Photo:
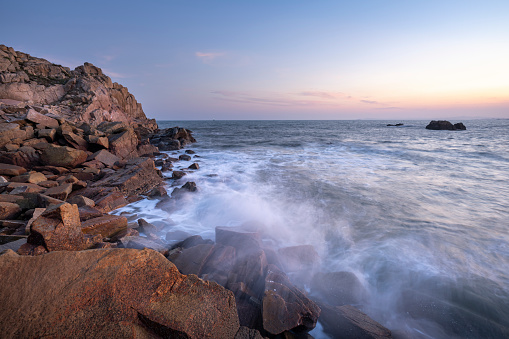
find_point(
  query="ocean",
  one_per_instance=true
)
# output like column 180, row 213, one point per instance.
column 421, row 217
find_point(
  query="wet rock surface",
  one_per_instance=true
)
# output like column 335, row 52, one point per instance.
column 445, row 125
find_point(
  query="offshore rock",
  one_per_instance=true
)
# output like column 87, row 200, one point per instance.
column 338, row 288
column 445, row 125
column 110, row 293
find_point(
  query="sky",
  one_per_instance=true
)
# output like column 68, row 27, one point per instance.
column 373, row 59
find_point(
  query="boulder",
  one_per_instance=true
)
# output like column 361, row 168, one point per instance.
column 81, row 201
column 105, row 157
column 60, row 192
column 10, row 132
column 298, row 258
column 445, row 125
column 138, row 177
column 47, row 133
column 194, row 166
column 177, row 175
column 184, row 157
column 348, row 322
column 110, row 293
column 244, row 239
column 107, row 226
column 12, row 170
column 124, row 144
column 248, row 333
column 9, row 210
column 58, row 228
column 98, row 142
column 111, row 202
column 41, row 119
column 63, row 156
column 338, row 288
column 284, row 306
column 32, row 177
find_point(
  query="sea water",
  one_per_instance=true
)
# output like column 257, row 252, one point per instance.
column 420, row 216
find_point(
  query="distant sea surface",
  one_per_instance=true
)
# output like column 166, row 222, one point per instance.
column 420, row 216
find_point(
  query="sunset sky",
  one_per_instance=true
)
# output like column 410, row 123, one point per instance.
column 282, row 59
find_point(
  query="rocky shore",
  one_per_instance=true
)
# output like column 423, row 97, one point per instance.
column 75, row 147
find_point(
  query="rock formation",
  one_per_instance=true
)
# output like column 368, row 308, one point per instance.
column 445, row 125
column 84, row 94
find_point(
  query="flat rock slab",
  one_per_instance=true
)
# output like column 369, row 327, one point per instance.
column 6, row 169
column 106, row 226
column 41, row 119
column 110, row 293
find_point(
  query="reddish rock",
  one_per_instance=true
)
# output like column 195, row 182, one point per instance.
column 62, row 156
column 285, row 307
column 60, row 192
column 110, row 293
column 248, row 333
column 158, row 191
column 58, row 229
column 192, row 260
column 98, row 141
column 338, row 288
column 348, row 322
column 106, row 226
column 9, row 210
column 187, row 187
column 81, row 201
column 147, row 150
column 250, row 269
column 48, row 184
column 32, row 250
column 10, row 198
column 245, row 240
column 48, row 134
column 111, row 202
column 194, row 166
column 41, row 119
column 89, row 212
column 124, row 144
column 32, row 177
column 105, row 157
column 138, row 177
column 12, row 170
column 25, row 156
column 184, row 157
column 128, row 232
column 26, row 187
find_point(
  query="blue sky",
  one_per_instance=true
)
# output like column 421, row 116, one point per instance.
column 282, row 59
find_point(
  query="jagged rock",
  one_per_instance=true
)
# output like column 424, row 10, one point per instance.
column 245, row 240
column 41, row 119
column 23, row 187
column 124, row 144
column 89, row 212
column 445, row 125
column 12, row 170
column 177, row 175
column 346, row 322
column 48, row 134
column 81, row 201
column 59, row 192
column 248, row 333
column 32, row 177
column 98, row 142
column 10, row 132
column 62, row 156
column 105, row 157
column 338, row 288
column 58, row 228
column 194, row 166
column 106, row 226
column 285, row 307
column 9, row 210
column 138, row 177
column 113, row 127
column 110, row 293
column 187, row 187
column 111, row 202
column 25, row 156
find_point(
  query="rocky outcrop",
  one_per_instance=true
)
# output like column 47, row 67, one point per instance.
column 84, row 94
column 110, row 293
column 445, row 125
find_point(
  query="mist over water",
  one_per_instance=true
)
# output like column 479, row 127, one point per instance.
column 419, row 216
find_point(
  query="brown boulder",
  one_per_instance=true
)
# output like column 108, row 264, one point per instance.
column 105, row 157
column 284, row 306
column 59, row 192
column 32, row 177
column 63, row 156
column 298, row 258
column 58, row 229
column 6, row 169
column 41, row 119
column 138, row 177
column 110, row 293
column 245, row 240
column 124, row 144
column 47, row 133
column 106, row 226
column 9, row 210
column 111, row 202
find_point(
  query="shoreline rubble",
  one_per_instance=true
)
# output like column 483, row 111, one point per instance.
column 74, row 147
